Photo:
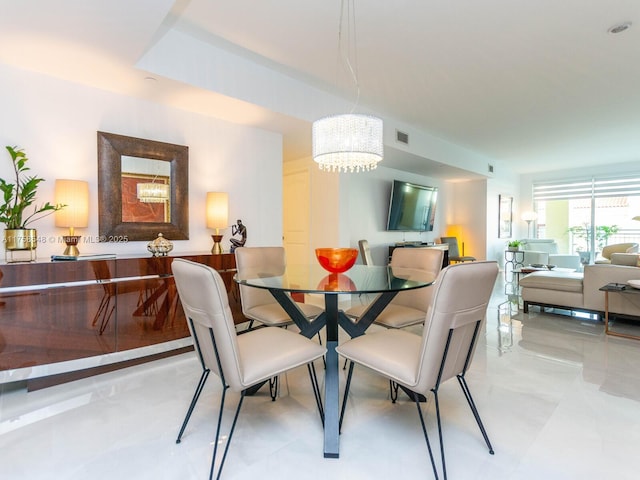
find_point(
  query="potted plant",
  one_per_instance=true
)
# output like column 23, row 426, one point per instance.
column 16, row 198
column 514, row 245
column 582, row 235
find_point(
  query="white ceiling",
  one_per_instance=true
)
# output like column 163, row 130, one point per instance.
column 538, row 85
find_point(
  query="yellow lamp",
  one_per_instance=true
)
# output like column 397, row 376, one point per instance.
column 217, row 216
column 74, row 194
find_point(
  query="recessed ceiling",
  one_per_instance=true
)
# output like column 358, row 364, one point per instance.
column 535, row 85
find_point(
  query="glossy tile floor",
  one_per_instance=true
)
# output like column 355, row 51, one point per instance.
column 560, row 400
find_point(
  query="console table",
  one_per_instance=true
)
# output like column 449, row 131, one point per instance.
column 55, row 313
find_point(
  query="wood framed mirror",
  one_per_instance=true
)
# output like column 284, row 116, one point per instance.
column 127, row 168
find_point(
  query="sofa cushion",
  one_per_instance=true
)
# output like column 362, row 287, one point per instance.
column 547, row 245
column 609, row 250
column 558, row 281
column 628, row 259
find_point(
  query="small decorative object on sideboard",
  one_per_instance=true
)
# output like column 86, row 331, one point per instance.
column 238, row 229
column 160, row 246
column 16, row 197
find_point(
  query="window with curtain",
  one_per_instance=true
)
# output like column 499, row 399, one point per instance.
column 584, row 215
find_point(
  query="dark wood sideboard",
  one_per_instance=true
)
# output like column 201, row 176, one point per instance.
column 58, row 311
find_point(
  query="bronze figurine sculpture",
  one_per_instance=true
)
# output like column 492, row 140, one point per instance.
column 238, row 229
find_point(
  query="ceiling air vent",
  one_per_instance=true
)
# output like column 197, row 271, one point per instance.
column 402, row 137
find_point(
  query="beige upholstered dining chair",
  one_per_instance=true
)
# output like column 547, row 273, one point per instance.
column 410, row 307
column 257, row 303
column 240, row 361
column 421, row 363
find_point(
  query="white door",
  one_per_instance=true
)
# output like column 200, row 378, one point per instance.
column 296, row 196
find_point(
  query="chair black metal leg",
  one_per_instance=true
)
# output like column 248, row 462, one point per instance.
column 346, row 393
column 316, row 389
column 273, row 388
column 437, row 402
column 215, row 440
column 474, row 410
column 233, row 427
column 426, row 436
column 324, row 360
column 194, row 400
column 393, row 388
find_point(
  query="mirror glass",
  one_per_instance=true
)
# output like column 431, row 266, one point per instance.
column 142, row 189
column 146, row 184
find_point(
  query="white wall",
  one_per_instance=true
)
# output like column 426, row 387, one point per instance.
column 348, row 207
column 366, row 208
column 351, row 206
column 507, row 185
column 56, row 121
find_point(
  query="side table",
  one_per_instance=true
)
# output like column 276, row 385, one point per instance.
column 622, row 289
column 513, row 259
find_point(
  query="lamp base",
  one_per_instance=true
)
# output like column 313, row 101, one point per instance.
column 72, row 245
column 217, row 248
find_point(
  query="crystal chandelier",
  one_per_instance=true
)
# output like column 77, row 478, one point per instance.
column 348, row 142
column 152, row 192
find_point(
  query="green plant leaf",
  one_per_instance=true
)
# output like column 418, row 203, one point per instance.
column 18, row 196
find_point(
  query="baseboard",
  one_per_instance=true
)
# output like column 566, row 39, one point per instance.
column 39, row 383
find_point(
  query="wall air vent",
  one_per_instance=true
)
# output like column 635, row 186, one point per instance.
column 402, row 137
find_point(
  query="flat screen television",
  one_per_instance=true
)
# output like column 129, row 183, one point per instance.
column 412, row 208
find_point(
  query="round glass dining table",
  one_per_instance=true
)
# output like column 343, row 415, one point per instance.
column 385, row 281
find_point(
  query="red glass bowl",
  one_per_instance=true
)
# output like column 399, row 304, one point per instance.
column 336, row 260
column 336, row 282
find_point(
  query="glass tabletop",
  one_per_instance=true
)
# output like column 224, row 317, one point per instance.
column 359, row 279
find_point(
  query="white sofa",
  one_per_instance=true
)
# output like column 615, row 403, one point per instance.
column 581, row 290
column 545, row 251
column 617, row 248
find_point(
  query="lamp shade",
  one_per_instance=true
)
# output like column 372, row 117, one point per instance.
column 348, row 142
column 217, row 210
column 75, row 195
column 529, row 216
